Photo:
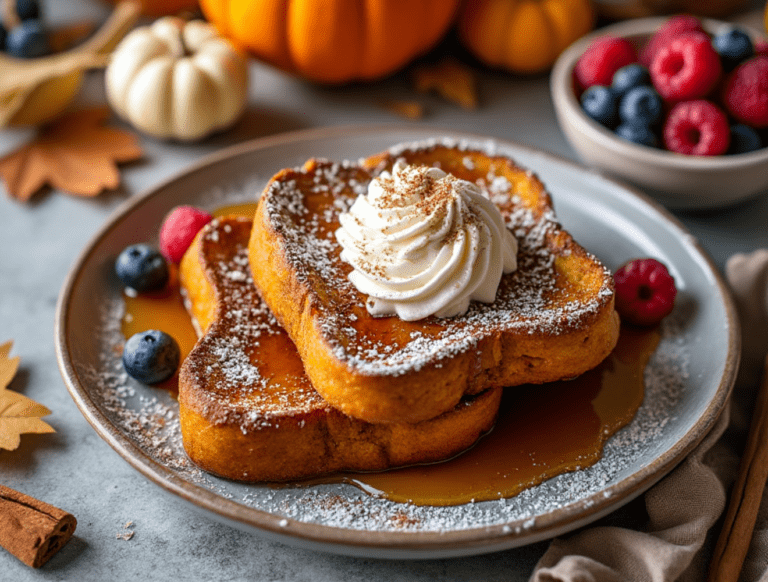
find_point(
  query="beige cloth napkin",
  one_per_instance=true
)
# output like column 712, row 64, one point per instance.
column 684, row 509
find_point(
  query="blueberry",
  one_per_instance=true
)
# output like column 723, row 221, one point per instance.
column 28, row 40
column 599, row 103
column 151, row 356
column 733, row 46
column 744, row 139
column 638, row 133
column 629, row 76
column 27, row 9
column 142, row 268
column 641, row 105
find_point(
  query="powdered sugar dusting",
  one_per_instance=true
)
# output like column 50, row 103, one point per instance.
column 221, row 369
column 148, row 418
column 528, row 301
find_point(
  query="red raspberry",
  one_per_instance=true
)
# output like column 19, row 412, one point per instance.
column 746, row 92
column 697, row 128
column 645, row 292
column 604, row 56
column 179, row 229
column 672, row 28
column 686, row 68
column 761, row 47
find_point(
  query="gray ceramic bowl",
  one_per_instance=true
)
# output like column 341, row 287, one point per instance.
column 676, row 180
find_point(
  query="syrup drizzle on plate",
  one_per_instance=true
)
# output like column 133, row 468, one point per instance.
column 542, row 431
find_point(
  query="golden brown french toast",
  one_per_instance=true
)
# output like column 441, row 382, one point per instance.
column 553, row 318
column 248, row 411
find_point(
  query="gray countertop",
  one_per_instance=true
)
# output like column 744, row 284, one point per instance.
column 77, row 471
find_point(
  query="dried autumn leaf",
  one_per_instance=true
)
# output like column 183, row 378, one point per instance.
column 76, row 154
column 449, row 78
column 407, row 109
column 18, row 414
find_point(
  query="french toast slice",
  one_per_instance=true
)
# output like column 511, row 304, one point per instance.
column 248, row 411
column 553, row 318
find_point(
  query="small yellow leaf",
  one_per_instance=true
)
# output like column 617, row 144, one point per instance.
column 8, row 366
column 15, row 405
column 11, row 430
column 18, row 414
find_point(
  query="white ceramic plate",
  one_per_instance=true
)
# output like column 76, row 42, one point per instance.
column 687, row 381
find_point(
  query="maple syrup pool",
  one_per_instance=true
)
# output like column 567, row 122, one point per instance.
column 541, row 431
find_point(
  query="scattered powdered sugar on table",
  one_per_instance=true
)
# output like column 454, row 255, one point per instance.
column 148, row 418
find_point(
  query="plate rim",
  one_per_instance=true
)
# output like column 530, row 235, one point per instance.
column 470, row 541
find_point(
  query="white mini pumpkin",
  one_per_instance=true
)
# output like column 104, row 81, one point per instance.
column 177, row 80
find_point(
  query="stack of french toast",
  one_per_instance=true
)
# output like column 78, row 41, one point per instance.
column 294, row 377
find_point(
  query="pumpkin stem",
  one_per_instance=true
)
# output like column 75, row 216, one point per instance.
column 184, row 48
column 180, row 47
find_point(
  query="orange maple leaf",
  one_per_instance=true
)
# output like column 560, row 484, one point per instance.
column 76, row 154
column 18, row 414
column 407, row 109
column 451, row 79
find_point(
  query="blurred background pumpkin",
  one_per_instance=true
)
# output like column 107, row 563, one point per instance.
column 523, row 36
column 334, row 41
column 177, row 79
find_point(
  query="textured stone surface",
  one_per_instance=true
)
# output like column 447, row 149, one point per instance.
column 75, row 470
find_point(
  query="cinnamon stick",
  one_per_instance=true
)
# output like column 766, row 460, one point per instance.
column 30, row 529
column 740, row 518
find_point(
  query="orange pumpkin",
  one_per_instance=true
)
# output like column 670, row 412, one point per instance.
column 523, row 36
column 334, row 41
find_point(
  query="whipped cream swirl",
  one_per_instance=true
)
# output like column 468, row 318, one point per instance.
column 423, row 242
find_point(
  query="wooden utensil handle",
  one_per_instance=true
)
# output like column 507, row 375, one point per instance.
column 740, row 517
column 120, row 21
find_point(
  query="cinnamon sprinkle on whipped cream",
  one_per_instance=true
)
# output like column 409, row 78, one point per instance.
column 423, row 242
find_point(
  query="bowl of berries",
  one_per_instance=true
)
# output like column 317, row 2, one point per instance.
column 678, row 106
